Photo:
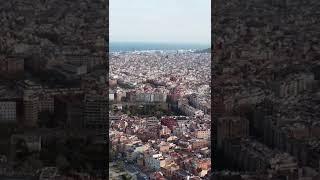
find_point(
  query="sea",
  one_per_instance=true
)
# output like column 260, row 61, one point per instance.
column 139, row 46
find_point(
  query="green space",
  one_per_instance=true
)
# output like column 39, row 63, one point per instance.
column 157, row 110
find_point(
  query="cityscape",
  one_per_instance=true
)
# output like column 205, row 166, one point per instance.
column 160, row 114
column 159, row 90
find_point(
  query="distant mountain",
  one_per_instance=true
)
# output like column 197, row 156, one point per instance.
column 208, row 50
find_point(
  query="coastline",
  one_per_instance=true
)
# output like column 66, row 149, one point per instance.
column 139, row 46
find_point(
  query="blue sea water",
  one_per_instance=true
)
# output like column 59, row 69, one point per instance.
column 138, row 46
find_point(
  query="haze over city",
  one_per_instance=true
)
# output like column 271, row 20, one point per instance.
column 165, row 21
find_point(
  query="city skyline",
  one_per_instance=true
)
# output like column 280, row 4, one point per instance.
column 170, row 22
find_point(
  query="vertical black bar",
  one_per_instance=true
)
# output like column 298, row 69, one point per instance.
column 273, row 95
column 107, row 81
column 213, row 87
column 48, row 49
column 212, row 99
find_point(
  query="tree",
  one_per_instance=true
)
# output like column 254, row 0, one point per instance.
column 127, row 177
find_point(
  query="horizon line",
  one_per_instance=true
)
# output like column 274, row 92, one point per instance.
column 162, row 42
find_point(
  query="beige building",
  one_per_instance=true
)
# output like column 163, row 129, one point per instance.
column 202, row 134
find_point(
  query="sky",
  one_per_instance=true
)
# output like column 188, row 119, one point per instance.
column 160, row 21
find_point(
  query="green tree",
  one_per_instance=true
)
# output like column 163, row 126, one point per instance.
column 126, row 177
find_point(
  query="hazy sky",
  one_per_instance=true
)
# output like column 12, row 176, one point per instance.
column 170, row 21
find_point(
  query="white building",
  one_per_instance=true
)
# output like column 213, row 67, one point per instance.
column 152, row 122
column 111, row 96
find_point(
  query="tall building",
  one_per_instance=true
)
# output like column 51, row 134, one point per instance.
column 231, row 127
column 152, row 122
column 8, row 111
column 95, row 111
column 74, row 112
column 111, row 95
column 46, row 103
column 31, row 109
column 11, row 66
